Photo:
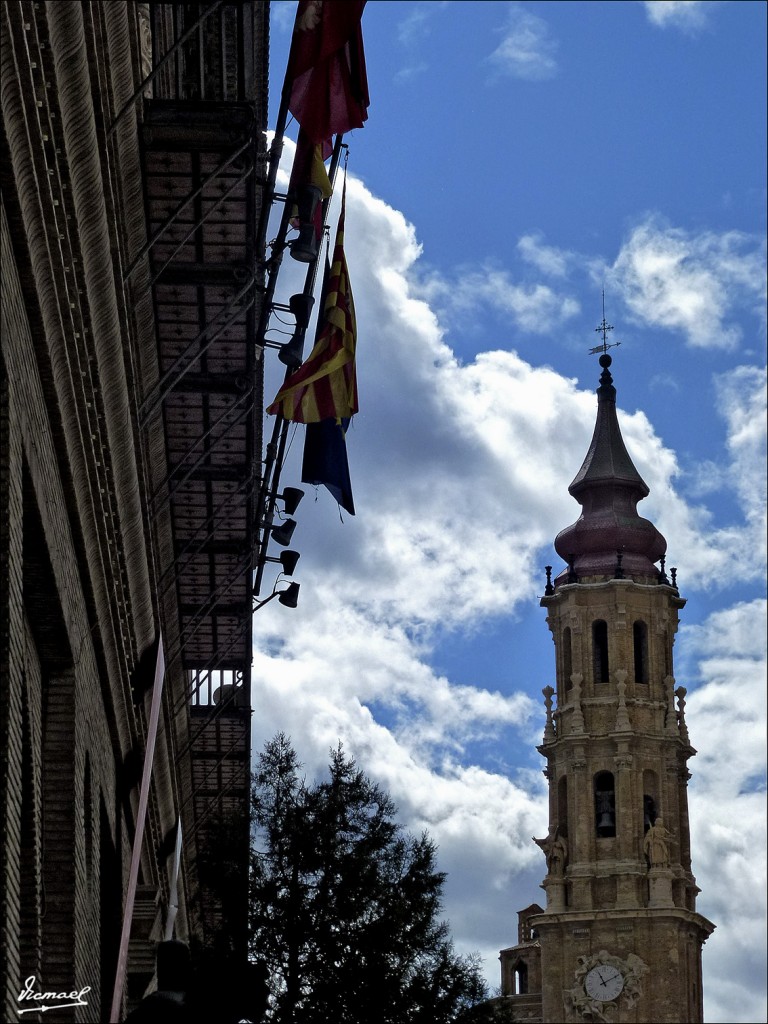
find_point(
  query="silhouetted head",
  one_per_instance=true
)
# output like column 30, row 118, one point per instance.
column 174, row 971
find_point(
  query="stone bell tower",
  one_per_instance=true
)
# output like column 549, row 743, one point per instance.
column 620, row 938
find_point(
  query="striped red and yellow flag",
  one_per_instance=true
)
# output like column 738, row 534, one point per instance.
column 325, row 385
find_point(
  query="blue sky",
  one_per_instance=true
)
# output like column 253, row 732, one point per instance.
column 519, row 158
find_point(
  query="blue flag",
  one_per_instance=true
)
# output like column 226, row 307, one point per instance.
column 325, row 460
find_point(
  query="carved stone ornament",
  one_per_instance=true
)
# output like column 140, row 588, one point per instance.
column 578, row 715
column 145, row 44
column 549, row 729
column 625, row 975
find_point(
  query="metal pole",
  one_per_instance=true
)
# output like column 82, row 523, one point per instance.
column 173, row 899
column 138, row 838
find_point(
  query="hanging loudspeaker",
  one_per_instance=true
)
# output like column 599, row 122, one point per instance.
column 288, row 560
column 291, row 497
column 301, row 307
column 292, row 353
column 290, row 596
column 282, row 534
column 304, row 248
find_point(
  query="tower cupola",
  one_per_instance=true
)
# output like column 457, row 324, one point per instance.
column 609, row 539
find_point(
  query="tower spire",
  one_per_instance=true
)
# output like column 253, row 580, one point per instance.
column 608, row 487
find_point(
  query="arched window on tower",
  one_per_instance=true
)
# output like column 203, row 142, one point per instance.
column 567, row 658
column 600, row 651
column 520, row 978
column 640, row 639
column 605, row 805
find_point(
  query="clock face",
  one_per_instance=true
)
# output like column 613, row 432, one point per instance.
column 604, row 982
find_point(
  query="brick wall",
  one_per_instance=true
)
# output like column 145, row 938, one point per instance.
column 77, row 547
column 11, row 662
column 74, row 604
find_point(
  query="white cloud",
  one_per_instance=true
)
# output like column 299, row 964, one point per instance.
column 688, row 15
column 694, row 284
column 664, row 380
column 410, row 72
column 460, row 474
column 411, row 30
column 680, row 281
column 537, row 308
column 283, row 14
column 526, row 51
column 416, row 23
column 546, row 258
column 712, row 556
column 726, row 716
column 454, row 503
column 742, row 402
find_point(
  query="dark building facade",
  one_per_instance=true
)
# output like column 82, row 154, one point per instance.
column 132, row 225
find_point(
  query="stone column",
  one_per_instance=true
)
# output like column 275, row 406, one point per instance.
column 577, row 722
column 624, row 809
column 582, row 832
column 660, row 887
column 555, row 888
column 626, row 883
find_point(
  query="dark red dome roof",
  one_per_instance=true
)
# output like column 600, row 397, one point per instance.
column 608, row 487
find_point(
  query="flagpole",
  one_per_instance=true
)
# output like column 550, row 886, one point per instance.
column 275, row 153
column 276, row 448
column 274, row 463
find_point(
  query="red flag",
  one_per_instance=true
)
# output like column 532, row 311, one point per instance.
column 326, row 69
column 325, row 386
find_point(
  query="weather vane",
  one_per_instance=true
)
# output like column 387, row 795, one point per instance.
column 603, row 329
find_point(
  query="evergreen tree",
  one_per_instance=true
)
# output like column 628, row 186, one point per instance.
column 345, row 903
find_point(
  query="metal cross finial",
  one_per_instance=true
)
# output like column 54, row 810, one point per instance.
column 603, row 329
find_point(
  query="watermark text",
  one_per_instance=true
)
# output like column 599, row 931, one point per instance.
column 49, row 1000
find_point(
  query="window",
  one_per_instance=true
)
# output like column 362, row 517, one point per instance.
column 605, row 805
column 640, row 638
column 600, row 651
column 567, row 658
column 520, row 978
